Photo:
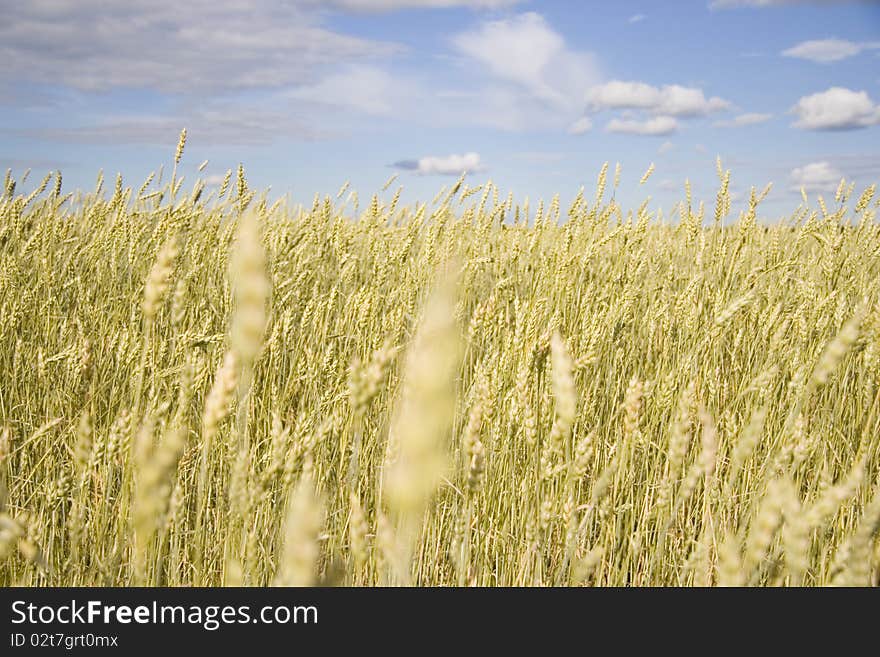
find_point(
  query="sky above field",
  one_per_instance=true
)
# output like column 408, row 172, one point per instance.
column 534, row 95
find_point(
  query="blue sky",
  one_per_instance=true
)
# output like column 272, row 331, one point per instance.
column 534, row 95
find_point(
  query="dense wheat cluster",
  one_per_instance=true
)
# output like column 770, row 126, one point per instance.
column 203, row 388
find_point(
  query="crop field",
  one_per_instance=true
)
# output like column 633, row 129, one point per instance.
column 200, row 386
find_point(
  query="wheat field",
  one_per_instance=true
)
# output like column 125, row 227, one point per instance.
column 202, row 388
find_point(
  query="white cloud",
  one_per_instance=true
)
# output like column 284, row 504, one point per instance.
column 829, row 50
column 451, row 164
column 525, row 51
column 637, row 18
column 448, row 165
column 197, row 48
column 659, row 125
column 392, row 5
column 233, row 72
column 665, row 147
column 617, row 94
column 684, row 101
column 367, row 89
column 836, row 109
column 815, row 177
column 582, row 125
column 749, row 118
column 669, row 100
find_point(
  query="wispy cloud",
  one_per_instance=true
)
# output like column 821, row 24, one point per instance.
column 829, row 50
column 749, row 118
column 526, row 52
column 38, row 163
column 837, row 108
column 393, row 5
column 581, row 126
column 207, row 47
column 367, row 89
column 815, row 177
column 215, row 123
column 447, row 165
column 636, row 18
column 659, row 125
column 665, row 147
column 279, row 67
column 858, row 166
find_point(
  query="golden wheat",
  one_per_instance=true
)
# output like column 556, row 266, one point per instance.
column 605, row 400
